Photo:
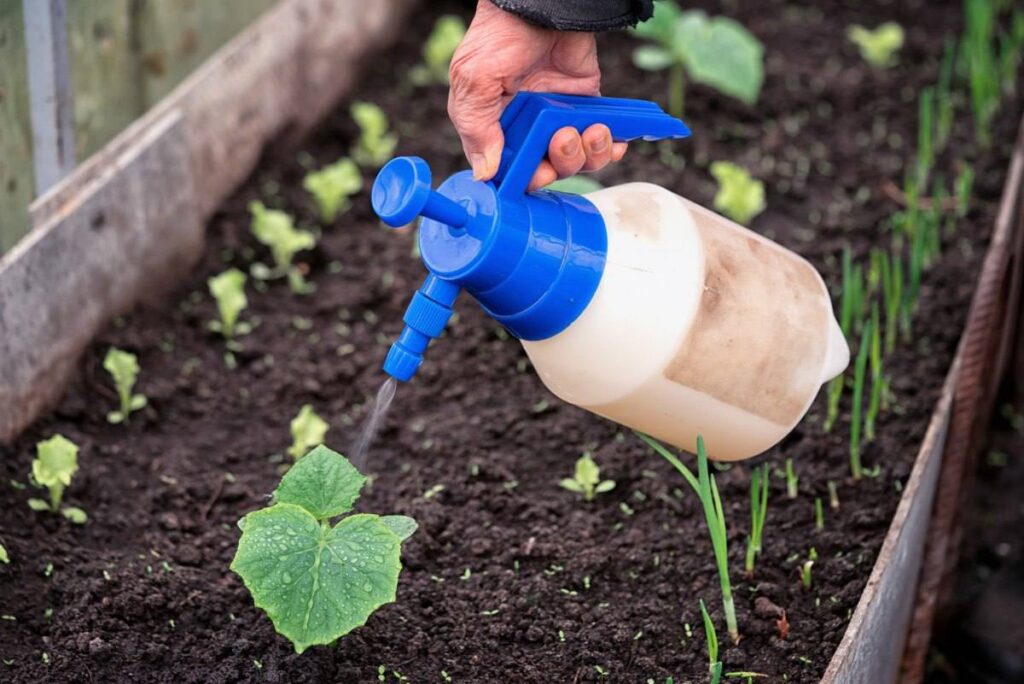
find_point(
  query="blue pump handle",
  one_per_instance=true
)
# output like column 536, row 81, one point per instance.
column 531, row 119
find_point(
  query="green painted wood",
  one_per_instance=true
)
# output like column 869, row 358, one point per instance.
column 125, row 55
column 16, row 179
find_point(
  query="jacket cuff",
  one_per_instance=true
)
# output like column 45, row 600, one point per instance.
column 580, row 15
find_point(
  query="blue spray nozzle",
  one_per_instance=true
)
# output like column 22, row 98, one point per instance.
column 532, row 260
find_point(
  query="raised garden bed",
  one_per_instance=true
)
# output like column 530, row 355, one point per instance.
column 509, row 578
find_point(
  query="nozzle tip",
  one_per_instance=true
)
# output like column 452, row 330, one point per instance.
column 401, row 364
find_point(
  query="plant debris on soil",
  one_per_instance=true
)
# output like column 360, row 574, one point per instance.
column 510, row 577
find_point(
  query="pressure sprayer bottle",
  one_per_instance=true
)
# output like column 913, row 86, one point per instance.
column 631, row 302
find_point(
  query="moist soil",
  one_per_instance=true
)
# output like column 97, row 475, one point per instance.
column 510, row 577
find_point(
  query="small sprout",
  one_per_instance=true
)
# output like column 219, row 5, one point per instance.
column 376, row 145
column 877, row 47
column 878, row 383
column 276, row 229
column 740, row 196
column 691, row 44
column 315, row 581
column 792, row 480
column 704, row 486
column 55, row 464
column 758, row 515
column 860, row 366
column 228, row 289
column 438, row 51
column 714, row 664
column 600, row 670
column 586, row 479
column 308, row 430
column 124, row 368
column 805, row 573
column 819, row 514
column 4, row 558
column 331, row 187
column 925, row 134
column 963, row 188
column 833, row 496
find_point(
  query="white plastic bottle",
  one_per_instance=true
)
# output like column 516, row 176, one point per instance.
column 698, row 327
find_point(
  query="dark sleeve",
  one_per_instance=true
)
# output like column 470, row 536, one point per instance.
column 580, row 15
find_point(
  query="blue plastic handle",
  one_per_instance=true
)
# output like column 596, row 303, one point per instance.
column 531, row 119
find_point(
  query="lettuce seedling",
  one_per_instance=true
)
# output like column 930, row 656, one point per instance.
column 308, row 430
column 124, row 368
column 586, row 480
column 228, row 289
column 449, row 30
column 317, row 581
column 714, row 664
column 878, row 47
column 375, row 145
column 276, row 229
column 692, row 44
column 740, row 196
column 55, row 464
column 331, row 187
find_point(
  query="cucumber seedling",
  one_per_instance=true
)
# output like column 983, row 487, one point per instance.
column 124, row 369
column 55, row 464
column 691, row 44
column 308, row 430
column 315, row 580
column 740, row 196
column 758, row 515
column 586, row 479
column 276, row 229
column 375, row 145
column 704, row 486
column 332, row 186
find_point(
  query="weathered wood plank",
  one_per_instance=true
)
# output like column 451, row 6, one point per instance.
column 129, row 219
column 16, row 184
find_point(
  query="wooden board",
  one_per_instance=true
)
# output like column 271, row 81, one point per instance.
column 17, row 186
column 129, row 219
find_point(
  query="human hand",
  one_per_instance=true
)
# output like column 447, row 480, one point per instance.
column 503, row 54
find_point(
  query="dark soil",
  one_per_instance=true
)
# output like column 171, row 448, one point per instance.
column 510, row 578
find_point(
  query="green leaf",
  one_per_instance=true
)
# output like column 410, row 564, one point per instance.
column 138, row 401
column 315, row 582
column 661, row 28
column 375, row 145
column 402, row 525
column 308, row 430
column 38, row 504
column 878, row 47
column 571, row 485
column 228, row 289
column 587, row 471
column 721, row 53
column 576, row 185
column 324, row 483
column 4, row 558
column 74, row 514
column 276, row 229
column 653, row 58
column 124, row 368
column 605, row 486
column 739, row 196
column 331, row 187
column 449, row 30
column 115, row 417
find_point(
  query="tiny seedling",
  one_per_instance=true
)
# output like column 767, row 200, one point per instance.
column 124, row 368
column 740, row 196
column 691, row 44
column 707, row 491
column 878, row 47
column 4, row 557
column 819, row 514
column 714, row 664
column 276, row 229
column 878, row 382
column 758, row 514
column 438, row 51
column 792, row 480
column 375, row 145
column 860, row 366
column 586, row 479
column 964, row 185
column 833, row 496
column 228, row 289
column 805, row 569
column 892, row 295
column 331, row 187
column 317, row 581
column 308, row 431
column 55, row 464
column 925, row 134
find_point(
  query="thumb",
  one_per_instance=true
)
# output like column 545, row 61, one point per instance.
column 475, row 103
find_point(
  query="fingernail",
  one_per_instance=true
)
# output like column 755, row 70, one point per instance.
column 571, row 148
column 479, row 164
column 599, row 145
